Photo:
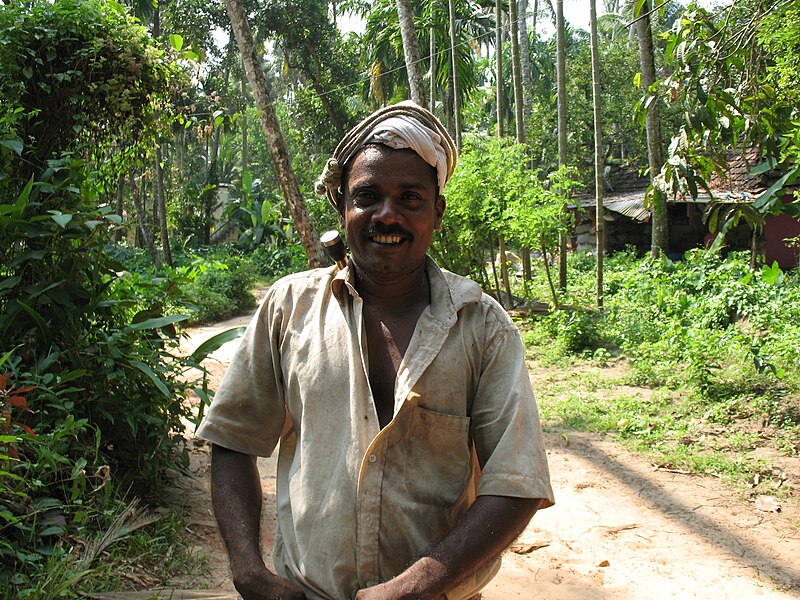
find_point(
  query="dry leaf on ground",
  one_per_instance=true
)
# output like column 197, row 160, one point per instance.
column 527, row 548
column 768, row 504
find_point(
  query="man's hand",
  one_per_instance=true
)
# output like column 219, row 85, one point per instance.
column 264, row 585
column 488, row 527
column 389, row 591
column 236, row 495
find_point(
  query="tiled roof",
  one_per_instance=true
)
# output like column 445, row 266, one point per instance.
column 737, row 179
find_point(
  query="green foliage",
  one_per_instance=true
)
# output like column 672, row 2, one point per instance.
column 273, row 262
column 575, row 330
column 81, row 70
column 95, row 351
column 495, row 193
column 707, row 324
column 314, row 51
column 222, row 289
column 724, row 74
column 695, row 347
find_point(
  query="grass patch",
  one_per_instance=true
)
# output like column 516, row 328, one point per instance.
column 674, row 429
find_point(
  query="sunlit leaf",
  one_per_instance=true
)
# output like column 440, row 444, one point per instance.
column 176, row 41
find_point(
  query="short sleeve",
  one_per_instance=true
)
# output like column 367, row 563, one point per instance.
column 248, row 411
column 505, row 421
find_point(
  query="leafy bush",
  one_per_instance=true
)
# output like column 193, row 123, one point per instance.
column 576, row 330
column 708, row 324
column 94, row 394
column 274, row 262
column 76, row 71
column 219, row 284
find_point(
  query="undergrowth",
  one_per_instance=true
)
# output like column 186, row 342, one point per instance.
column 693, row 363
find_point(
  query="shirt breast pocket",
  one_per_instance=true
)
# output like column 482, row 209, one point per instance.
column 436, row 458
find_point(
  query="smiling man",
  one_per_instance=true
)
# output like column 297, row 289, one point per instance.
column 410, row 446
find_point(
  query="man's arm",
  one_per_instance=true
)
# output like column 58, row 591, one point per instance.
column 488, row 527
column 236, row 496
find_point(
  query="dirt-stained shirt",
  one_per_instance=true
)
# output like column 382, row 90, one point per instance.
column 356, row 504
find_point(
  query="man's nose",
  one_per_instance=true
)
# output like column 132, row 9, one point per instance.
column 386, row 211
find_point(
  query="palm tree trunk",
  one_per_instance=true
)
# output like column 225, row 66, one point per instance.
column 561, row 81
column 659, row 243
column 277, row 145
column 546, row 263
column 432, row 47
column 519, row 101
column 454, row 60
column 498, row 12
column 599, row 156
column 525, row 60
column 516, row 74
column 408, row 32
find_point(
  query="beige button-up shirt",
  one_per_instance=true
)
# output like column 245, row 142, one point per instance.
column 356, row 504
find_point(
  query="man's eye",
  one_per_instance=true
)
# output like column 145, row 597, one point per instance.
column 364, row 197
column 412, row 200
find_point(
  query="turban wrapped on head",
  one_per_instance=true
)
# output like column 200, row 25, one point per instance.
column 403, row 125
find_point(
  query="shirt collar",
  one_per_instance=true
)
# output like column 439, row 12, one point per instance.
column 448, row 292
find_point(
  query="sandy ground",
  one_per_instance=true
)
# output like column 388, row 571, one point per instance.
column 619, row 529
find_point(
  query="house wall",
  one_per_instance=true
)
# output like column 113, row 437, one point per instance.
column 621, row 232
column 687, row 231
column 776, row 229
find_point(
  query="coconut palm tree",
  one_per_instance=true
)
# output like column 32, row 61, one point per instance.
column 408, row 32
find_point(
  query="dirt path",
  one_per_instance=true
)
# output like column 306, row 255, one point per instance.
column 619, row 528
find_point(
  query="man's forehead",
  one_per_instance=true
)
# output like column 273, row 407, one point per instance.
column 386, row 160
column 382, row 151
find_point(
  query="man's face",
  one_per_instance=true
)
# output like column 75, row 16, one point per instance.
column 390, row 210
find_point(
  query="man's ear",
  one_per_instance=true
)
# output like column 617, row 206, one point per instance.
column 441, row 204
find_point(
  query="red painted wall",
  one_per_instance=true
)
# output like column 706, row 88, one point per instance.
column 776, row 229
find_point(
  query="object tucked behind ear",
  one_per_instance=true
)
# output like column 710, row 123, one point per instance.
column 334, row 247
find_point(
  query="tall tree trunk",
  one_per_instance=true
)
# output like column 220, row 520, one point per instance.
column 243, row 121
column 162, row 208
column 501, row 246
column 561, row 83
column 432, row 48
column 519, row 101
column 454, row 61
column 516, row 73
column 599, row 156
column 277, row 145
column 408, row 32
column 525, row 60
column 447, row 102
column 144, row 232
column 546, row 263
column 120, row 208
column 498, row 16
column 659, row 222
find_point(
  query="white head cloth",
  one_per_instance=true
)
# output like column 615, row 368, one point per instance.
column 403, row 125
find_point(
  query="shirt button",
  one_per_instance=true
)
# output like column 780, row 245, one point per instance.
column 372, row 458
